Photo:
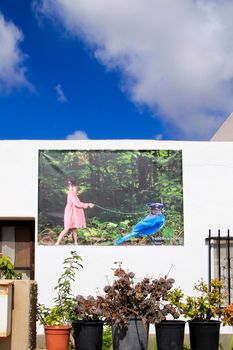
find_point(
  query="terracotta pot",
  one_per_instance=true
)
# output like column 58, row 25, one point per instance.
column 57, row 337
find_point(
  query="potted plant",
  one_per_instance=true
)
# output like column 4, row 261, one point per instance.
column 170, row 334
column 170, row 331
column 227, row 318
column 201, row 311
column 130, row 306
column 57, row 320
column 88, row 331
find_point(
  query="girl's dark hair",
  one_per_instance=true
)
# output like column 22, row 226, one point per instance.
column 71, row 182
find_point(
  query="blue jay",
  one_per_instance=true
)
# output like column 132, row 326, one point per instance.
column 148, row 226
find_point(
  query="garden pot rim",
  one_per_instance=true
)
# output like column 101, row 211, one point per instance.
column 131, row 322
column 130, row 319
column 205, row 321
column 58, row 326
column 88, row 322
column 171, row 322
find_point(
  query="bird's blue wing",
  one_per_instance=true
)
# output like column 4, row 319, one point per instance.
column 149, row 224
column 145, row 227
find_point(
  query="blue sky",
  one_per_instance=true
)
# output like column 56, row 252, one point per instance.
column 115, row 70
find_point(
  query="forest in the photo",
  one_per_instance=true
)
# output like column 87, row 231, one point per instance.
column 120, row 184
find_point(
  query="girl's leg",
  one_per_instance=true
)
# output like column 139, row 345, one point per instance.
column 62, row 235
column 74, row 235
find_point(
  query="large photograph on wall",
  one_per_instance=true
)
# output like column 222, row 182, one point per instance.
column 105, row 197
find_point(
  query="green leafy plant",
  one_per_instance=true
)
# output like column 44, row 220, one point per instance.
column 227, row 318
column 145, row 299
column 7, row 270
column 203, row 307
column 62, row 311
column 186, row 347
column 227, row 315
column 107, row 338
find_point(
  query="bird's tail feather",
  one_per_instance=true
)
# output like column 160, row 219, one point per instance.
column 125, row 238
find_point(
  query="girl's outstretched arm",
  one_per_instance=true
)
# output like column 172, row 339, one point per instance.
column 80, row 204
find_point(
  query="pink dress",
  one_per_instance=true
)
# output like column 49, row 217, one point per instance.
column 74, row 216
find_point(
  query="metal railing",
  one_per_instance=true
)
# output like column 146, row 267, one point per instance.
column 220, row 256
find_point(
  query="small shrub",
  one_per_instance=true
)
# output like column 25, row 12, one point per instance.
column 7, row 270
column 206, row 305
column 145, row 299
column 62, row 311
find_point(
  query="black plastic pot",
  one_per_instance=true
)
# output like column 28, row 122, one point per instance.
column 88, row 335
column 204, row 335
column 170, row 335
column 133, row 336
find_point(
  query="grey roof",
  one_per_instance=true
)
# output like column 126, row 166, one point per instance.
column 225, row 132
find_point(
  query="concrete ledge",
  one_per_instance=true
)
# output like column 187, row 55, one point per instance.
column 23, row 332
column 225, row 340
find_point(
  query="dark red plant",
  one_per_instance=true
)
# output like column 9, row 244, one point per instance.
column 146, row 299
column 125, row 299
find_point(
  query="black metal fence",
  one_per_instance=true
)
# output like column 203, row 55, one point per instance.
column 220, row 255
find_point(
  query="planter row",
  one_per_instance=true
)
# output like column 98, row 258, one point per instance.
column 134, row 336
column 203, row 335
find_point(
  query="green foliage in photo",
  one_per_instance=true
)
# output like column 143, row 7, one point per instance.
column 120, row 184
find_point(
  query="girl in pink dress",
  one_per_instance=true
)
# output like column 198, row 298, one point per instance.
column 74, row 216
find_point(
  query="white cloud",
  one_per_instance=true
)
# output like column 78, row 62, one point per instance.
column 176, row 56
column 60, row 94
column 12, row 69
column 158, row 137
column 78, row 135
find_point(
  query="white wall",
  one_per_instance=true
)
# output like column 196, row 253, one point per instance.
column 208, row 203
